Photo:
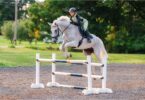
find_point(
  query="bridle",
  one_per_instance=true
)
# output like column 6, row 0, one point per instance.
column 58, row 29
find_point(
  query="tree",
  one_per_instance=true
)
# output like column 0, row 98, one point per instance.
column 6, row 10
column 25, row 30
column 120, row 23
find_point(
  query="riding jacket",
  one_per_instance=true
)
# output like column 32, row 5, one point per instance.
column 80, row 22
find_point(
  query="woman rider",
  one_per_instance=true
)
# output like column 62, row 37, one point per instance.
column 81, row 22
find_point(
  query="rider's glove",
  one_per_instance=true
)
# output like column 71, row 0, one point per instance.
column 75, row 23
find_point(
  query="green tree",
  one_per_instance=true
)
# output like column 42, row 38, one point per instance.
column 120, row 23
column 25, row 30
column 7, row 30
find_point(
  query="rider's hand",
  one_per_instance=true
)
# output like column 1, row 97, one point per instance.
column 74, row 23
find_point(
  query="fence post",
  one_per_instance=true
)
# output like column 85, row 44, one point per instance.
column 53, row 78
column 37, row 84
column 53, row 67
column 89, row 72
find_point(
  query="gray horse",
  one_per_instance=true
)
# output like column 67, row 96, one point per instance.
column 71, row 38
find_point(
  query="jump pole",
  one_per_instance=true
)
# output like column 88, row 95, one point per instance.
column 37, row 84
column 53, row 78
column 87, row 90
column 104, row 88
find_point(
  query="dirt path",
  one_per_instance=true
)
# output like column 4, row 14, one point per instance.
column 126, row 80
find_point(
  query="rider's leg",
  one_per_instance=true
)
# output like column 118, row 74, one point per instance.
column 85, row 34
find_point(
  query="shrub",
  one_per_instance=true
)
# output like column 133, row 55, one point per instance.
column 7, row 30
column 24, row 30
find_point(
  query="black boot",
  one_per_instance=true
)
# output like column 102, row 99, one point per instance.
column 89, row 40
column 87, row 36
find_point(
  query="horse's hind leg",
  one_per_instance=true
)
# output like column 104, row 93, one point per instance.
column 102, row 56
column 97, row 55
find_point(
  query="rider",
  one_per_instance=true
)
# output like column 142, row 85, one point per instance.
column 81, row 22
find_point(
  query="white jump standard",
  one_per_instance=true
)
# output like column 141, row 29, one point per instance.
column 37, row 84
column 87, row 90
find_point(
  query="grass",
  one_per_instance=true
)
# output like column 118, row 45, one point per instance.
column 127, row 58
column 3, row 41
column 13, row 57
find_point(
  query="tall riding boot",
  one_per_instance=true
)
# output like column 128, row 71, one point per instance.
column 88, row 36
column 89, row 40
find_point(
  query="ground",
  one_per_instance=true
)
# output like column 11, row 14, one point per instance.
column 126, row 80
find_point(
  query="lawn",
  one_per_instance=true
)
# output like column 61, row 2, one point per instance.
column 25, row 56
column 13, row 57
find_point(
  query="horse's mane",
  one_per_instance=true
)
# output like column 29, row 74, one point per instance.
column 61, row 18
column 64, row 18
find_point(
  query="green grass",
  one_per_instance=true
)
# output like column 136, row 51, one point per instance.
column 127, row 58
column 43, row 46
column 4, row 41
column 13, row 57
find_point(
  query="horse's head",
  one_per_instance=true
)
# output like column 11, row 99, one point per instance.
column 57, row 27
column 54, row 31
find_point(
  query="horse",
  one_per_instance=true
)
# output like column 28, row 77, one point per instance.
column 71, row 37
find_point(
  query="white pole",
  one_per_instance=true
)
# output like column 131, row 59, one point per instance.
column 37, row 68
column 53, row 67
column 104, row 80
column 53, row 82
column 37, row 84
column 104, row 74
column 89, row 71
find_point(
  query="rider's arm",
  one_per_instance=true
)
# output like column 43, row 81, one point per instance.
column 74, row 21
column 85, row 24
column 77, row 24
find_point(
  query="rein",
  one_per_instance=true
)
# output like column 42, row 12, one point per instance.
column 60, row 31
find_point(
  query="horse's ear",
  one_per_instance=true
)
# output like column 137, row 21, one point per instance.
column 49, row 23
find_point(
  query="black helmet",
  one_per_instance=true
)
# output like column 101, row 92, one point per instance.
column 72, row 9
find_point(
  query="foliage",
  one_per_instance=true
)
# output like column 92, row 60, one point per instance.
column 7, row 30
column 6, row 10
column 119, row 23
column 25, row 30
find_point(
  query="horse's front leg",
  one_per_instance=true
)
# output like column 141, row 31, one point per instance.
column 67, row 45
column 64, row 50
column 61, row 47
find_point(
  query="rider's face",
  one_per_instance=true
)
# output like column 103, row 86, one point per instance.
column 72, row 13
